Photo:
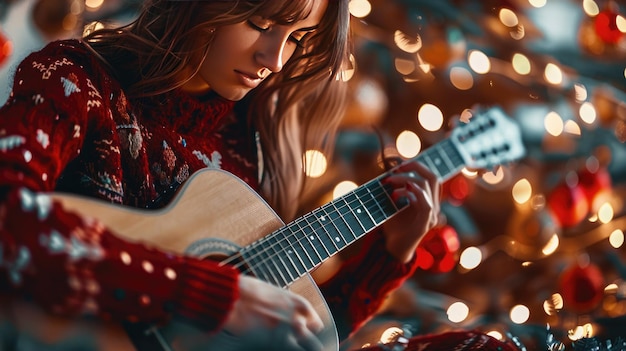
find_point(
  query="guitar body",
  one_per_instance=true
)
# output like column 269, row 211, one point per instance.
column 213, row 214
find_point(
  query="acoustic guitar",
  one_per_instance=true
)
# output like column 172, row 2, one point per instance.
column 222, row 216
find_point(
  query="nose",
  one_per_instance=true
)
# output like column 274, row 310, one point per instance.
column 273, row 53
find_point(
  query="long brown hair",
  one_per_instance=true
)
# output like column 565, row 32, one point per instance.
column 294, row 110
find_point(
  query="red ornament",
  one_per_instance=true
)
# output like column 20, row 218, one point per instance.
column 595, row 185
column 606, row 27
column 569, row 204
column 582, row 287
column 438, row 250
column 457, row 189
column 6, row 48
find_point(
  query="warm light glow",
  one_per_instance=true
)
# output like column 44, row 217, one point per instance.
column 591, row 8
column 471, row 257
column 430, row 117
column 408, row 144
column 316, row 163
column 580, row 92
column 406, row 43
column 390, row 335
column 93, row 26
column 405, row 67
column 551, row 246
column 572, row 127
column 348, row 72
column 554, row 304
column 93, row 5
column 554, row 124
column 588, row 113
column 360, row 8
column 620, row 22
column 522, row 191
column 461, row 78
column 493, row 178
column 605, row 213
column 496, row 335
column 537, row 3
column 521, row 64
column 553, row 74
column 469, row 173
column 611, row 288
column 458, row 312
column 508, row 17
column 616, row 239
column 479, row 62
column 519, row 314
column 343, row 188
column 584, row 331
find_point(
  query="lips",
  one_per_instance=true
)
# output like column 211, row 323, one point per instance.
column 249, row 80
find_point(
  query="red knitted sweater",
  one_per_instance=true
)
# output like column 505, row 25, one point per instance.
column 68, row 126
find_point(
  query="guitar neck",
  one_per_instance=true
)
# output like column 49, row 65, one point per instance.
column 295, row 249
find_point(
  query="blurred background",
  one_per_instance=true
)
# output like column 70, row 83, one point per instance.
column 531, row 252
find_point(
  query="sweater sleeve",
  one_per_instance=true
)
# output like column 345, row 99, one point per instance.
column 73, row 265
column 363, row 282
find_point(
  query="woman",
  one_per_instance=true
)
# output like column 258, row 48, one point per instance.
column 126, row 115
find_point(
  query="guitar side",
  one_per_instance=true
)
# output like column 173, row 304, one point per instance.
column 213, row 204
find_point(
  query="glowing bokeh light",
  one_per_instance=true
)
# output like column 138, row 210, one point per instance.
column 553, row 74
column 616, row 239
column 316, row 163
column 360, row 8
column 521, row 64
column 461, row 78
column 508, row 17
column 587, row 113
column 551, row 246
column 343, row 188
column 591, row 8
column 471, row 257
column 519, row 314
column 458, row 312
column 522, row 191
column 408, row 144
column 430, row 117
column 493, row 178
column 479, row 62
column 553, row 124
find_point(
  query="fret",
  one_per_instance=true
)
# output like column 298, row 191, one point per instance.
column 313, row 240
column 383, row 199
column 360, row 211
column 260, row 266
column 319, row 222
column 446, row 159
column 453, row 154
column 268, row 256
column 338, row 218
column 299, row 248
column 371, row 204
column 285, row 252
column 434, row 162
column 349, row 215
column 334, row 226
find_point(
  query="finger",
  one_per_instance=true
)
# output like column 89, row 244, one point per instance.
column 312, row 319
column 308, row 341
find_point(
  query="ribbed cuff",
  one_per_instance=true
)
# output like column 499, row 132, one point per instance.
column 207, row 293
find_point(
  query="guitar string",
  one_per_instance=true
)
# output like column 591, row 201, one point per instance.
column 302, row 238
column 270, row 258
column 299, row 238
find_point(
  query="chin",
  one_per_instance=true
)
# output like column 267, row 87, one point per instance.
column 234, row 94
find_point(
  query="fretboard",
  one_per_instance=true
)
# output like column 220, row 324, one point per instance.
column 295, row 249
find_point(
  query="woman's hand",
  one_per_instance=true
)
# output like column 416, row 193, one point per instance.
column 273, row 318
column 417, row 190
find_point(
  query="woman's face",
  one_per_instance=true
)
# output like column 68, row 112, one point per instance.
column 243, row 54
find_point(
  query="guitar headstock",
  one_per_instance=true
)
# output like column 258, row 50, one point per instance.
column 489, row 139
